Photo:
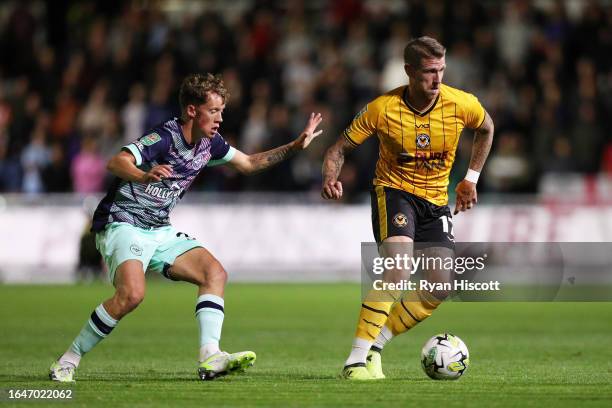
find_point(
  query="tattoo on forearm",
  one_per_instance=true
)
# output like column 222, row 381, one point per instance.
column 334, row 160
column 263, row 160
column 483, row 139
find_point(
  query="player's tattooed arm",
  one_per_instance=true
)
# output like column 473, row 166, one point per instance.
column 332, row 165
column 123, row 165
column 467, row 196
column 254, row 163
column 483, row 139
column 263, row 160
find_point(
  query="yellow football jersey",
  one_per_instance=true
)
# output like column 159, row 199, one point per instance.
column 416, row 150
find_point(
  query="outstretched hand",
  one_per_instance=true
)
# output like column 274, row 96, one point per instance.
column 309, row 134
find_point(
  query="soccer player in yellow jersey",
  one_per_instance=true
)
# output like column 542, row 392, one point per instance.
column 418, row 128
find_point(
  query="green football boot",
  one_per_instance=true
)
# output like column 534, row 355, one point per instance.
column 222, row 363
column 374, row 364
column 62, row 372
column 357, row 372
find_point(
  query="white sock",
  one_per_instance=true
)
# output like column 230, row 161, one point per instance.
column 383, row 338
column 70, row 357
column 209, row 314
column 359, row 352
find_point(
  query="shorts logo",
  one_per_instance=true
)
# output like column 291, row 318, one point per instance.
column 400, row 220
column 422, row 140
column 136, row 249
column 151, row 139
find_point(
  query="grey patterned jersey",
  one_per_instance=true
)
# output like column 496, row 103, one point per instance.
column 149, row 205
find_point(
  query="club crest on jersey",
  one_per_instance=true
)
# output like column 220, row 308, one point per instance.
column 197, row 162
column 151, row 139
column 400, row 220
column 422, row 140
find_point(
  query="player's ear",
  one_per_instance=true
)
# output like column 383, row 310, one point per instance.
column 409, row 69
column 191, row 111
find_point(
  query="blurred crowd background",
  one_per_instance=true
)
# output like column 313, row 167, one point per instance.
column 79, row 80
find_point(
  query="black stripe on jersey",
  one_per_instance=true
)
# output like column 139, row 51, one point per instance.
column 208, row 304
column 408, row 311
column 103, row 327
column 348, row 138
column 402, row 130
column 416, row 163
column 456, row 134
column 401, row 123
column 430, row 155
column 388, row 172
column 443, row 131
column 374, row 310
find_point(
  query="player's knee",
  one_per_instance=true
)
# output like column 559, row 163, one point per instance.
column 130, row 299
column 215, row 276
column 397, row 275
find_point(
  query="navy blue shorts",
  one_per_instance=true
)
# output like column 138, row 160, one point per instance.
column 397, row 212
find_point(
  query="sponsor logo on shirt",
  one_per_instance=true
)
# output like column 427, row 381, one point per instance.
column 427, row 160
column 164, row 192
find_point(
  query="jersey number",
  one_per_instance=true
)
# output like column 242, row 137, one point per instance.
column 447, row 226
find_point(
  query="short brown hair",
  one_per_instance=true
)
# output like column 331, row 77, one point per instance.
column 423, row 47
column 195, row 88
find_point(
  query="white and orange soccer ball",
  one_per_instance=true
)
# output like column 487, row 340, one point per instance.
column 445, row 357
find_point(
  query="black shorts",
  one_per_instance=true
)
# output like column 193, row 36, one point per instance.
column 396, row 212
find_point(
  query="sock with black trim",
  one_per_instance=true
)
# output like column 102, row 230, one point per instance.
column 209, row 314
column 372, row 318
column 99, row 325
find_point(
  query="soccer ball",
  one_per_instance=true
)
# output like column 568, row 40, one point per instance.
column 445, row 357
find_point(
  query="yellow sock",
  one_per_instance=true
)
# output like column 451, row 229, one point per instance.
column 412, row 309
column 374, row 313
column 372, row 317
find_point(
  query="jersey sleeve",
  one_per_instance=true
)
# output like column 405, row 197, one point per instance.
column 364, row 124
column 150, row 147
column 220, row 151
column 474, row 113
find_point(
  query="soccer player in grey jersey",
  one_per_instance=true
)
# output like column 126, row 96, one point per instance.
column 134, row 235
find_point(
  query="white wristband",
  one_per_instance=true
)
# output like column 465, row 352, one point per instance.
column 472, row 176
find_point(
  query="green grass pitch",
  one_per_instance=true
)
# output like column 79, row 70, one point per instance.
column 522, row 354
